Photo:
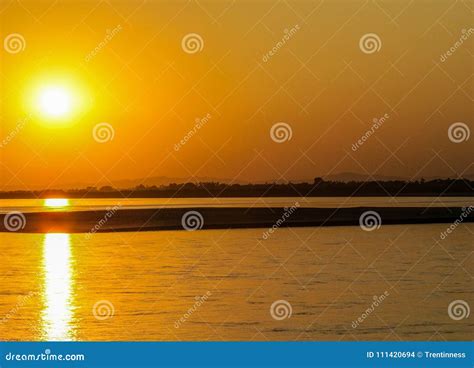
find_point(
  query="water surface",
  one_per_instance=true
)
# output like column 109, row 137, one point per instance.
column 221, row 284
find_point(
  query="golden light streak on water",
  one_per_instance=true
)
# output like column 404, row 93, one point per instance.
column 58, row 286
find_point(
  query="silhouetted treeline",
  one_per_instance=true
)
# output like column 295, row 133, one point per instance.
column 439, row 187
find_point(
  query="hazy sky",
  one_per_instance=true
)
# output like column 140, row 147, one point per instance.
column 248, row 65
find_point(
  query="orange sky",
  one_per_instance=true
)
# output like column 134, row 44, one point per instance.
column 125, row 60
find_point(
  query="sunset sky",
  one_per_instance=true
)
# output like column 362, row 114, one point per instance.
column 124, row 63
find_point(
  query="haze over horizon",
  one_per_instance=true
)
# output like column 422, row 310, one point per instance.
column 208, row 108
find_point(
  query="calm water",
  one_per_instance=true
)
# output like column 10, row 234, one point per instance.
column 220, row 284
column 30, row 205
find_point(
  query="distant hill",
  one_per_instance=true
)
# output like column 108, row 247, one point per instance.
column 131, row 183
column 349, row 176
column 164, row 180
column 158, row 181
column 318, row 187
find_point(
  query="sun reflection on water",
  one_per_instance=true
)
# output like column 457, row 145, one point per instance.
column 58, row 286
column 56, row 202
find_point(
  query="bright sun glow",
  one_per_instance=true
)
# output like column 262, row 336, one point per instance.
column 55, row 101
column 57, row 98
column 56, row 202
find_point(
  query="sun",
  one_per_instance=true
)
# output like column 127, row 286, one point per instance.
column 57, row 98
column 56, row 202
column 55, row 101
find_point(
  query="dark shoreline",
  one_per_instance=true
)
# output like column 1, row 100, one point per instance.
column 318, row 188
column 226, row 218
